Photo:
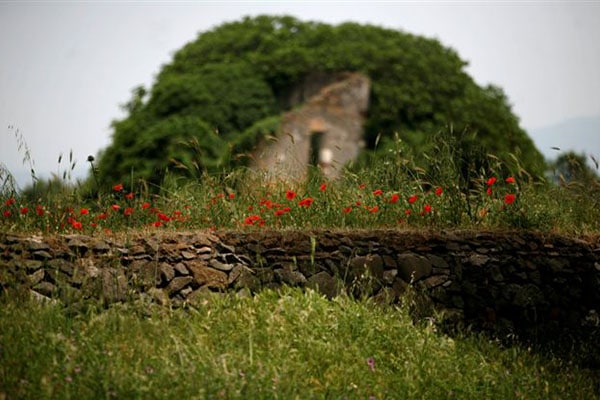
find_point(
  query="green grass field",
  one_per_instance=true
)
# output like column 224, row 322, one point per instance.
column 288, row 345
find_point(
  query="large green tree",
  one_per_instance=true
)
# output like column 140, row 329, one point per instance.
column 225, row 89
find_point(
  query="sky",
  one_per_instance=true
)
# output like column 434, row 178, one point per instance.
column 66, row 67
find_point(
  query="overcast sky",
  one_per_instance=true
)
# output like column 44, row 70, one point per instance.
column 67, row 66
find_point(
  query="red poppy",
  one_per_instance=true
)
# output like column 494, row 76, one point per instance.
column 128, row 211
column 377, row 192
column 489, row 191
column 362, row 186
column 290, row 195
column 24, row 210
column 84, row 211
column 130, row 196
column 145, row 205
column 426, row 208
column 438, row 191
column 10, row 202
column 39, row 210
column 413, row 198
column 323, row 187
column 156, row 224
column 6, row 213
column 102, row 216
column 118, row 187
column 373, row 209
column 510, row 198
column 394, row 198
column 491, row 181
column 510, row 179
column 76, row 225
column 115, row 207
column 346, row 210
column 231, row 196
column 407, row 211
column 163, row 217
column 279, row 213
column 306, row 202
column 250, row 220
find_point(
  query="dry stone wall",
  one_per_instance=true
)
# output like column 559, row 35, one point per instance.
column 516, row 282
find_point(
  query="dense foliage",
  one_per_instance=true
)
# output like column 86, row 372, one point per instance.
column 224, row 90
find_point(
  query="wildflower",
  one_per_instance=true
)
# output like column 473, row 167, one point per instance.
column 84, row 211
column 346, row 210
column 76, row 225
column 250, row 220
column 156, row 224
column 115, row 207
column 102, row 216
column 6, row 213
column 231, row 196
column 407, row 211
column 39, row 210
column 323, row 187
column 510, row 179
column 371, row 363
column 145, row 205
column 510, row 198
column 163, row 217
column 412, row 198
column 377, row 192
column 306, row 202
column 130, row 196
column 24, row 210
column 489, row 191
column 491, row 181
column 438, row 191
column 279, row 213
column 10, row 202
column 426, row 208
column 373, row 209
column 118, row 187
column 290, row 195
column 394, row 198
column 128, row 211
column 362, row 186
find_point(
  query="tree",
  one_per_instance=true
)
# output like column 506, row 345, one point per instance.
column 234, row 81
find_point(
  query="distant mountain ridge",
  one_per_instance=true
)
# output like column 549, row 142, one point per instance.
column 581, row 135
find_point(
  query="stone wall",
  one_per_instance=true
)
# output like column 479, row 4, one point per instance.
column 335, row 114
column 517, row 282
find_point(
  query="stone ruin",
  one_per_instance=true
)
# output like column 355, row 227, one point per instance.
column 324, row 128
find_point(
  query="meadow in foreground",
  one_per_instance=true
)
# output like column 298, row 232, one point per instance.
column 285, row 345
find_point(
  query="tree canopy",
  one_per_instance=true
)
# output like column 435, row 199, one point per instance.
column 227, row 87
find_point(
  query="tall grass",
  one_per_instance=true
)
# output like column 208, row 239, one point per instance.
column 274, row 345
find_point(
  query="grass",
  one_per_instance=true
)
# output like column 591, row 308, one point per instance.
column 292, row 344
column 275, row 345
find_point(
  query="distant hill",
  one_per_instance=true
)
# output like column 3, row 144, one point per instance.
column 581, row 135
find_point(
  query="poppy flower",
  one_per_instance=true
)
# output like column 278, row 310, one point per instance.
column 373, row 209
column 156, row 224
column 426, row 208
column 250, row 220
column 163, row 217
column 412, row 198
column 377, row 192
column 231, row 196
column 84, row 211
column 394, row 198
column 6, row 213
column 489, row 191
column 115, row 207
column 130, row 196
column 510, row 179
column 290, row 195
column 438, row 191
column 39, row 210
column 10, row 202
column 24, row 210
column 510, row 198
column 323, row 187
column 145, row 205
column 128, row 211
column 102, row 216
column 491, row 181
column 306, row 202
column 346, row 210
column 118, row 187
column 76, row 225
